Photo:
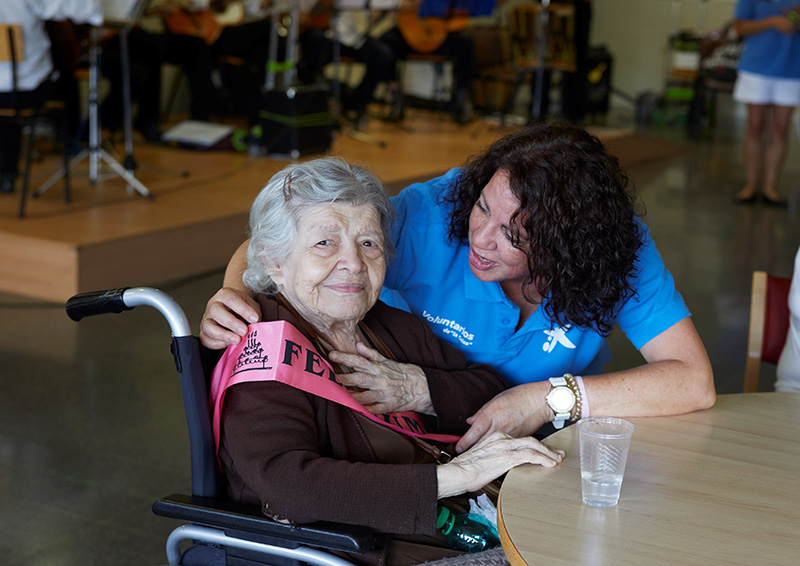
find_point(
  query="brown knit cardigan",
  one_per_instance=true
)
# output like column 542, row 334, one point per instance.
column 303, row 458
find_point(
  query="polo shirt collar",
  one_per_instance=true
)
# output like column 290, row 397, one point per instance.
column 477, row 290
column 491, row 292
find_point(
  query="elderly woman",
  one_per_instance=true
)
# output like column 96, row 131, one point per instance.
column 316, row 259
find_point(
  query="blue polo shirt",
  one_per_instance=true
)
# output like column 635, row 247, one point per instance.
column 770, row 53
column 431, row 278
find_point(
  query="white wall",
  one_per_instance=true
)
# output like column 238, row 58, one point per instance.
column 636, row 33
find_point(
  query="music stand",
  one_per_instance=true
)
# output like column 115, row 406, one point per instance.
column 95, row 151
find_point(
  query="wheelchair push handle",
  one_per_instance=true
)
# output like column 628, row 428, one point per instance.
column 96, row 302
column 118, row 300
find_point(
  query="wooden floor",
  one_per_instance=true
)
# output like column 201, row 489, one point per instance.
column 111, row 237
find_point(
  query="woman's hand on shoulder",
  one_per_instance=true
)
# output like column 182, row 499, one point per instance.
column 490, row 459
column 223, row 322
column 519, row 411
column 385, row 386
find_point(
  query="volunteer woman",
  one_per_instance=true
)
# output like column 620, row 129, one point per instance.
column 526, row 259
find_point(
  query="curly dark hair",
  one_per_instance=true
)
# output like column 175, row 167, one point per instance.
column 577, row 210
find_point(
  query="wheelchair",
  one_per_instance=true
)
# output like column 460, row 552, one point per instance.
column 220, row 532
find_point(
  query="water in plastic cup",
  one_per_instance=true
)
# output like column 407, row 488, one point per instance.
column 604, row 443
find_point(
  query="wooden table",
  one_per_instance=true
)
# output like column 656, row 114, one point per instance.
column 720, row 486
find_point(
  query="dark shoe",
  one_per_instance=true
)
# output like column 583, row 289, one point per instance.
column 464, row 113
column 775, row 203
column 462, row 108
column 397, row 111
column 7, row 183
column 746, row 200
column 356, row 118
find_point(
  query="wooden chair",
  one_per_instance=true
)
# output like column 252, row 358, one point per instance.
column 491, row 82
column 12, row 50
column 769, row 323
column 524, row 33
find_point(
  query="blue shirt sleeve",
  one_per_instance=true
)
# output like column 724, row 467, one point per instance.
column 745, row 10
column 415, row 207
column 657, row 305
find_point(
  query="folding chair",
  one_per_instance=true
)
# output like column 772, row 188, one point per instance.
column 223, row 532
column 769, row 324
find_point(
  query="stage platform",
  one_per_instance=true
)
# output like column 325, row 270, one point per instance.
column 112, row 237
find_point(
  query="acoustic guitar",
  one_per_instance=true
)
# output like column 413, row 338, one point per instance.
column 207, row 24
column 426, row 35
column 318, row 17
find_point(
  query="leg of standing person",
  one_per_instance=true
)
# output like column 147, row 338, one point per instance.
column 193, row 56
column 111, row 107
column 379, row 61
column 144, row 55
column 460, row 48
column 67, row 90
column 395, row 41
column 316, row 51
column 65, row 50
column 250, row 42
column 11, row 137
column 753, row 150
column 775, row 152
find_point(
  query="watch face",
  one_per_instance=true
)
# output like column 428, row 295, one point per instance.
column 562, row 399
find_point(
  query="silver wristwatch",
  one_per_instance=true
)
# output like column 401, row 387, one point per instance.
column 561, row 399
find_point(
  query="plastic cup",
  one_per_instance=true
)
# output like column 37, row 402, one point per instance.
column 604, row 443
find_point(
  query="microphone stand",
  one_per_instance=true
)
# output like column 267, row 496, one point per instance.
column 95, row 152
column 536, row 106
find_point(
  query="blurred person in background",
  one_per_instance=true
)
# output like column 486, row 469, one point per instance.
column 34, row 66
column 789, row 362
column 768, row 82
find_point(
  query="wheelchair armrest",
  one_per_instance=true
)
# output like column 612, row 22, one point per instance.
column 232, row 516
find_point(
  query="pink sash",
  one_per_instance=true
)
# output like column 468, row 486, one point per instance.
column 277, row 351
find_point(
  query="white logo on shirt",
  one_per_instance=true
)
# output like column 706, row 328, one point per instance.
column 450, row 327
column 557, row 336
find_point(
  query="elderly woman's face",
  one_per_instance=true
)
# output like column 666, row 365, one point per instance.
column 336, row 269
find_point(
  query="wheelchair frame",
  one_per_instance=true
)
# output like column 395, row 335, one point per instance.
column 242, row 532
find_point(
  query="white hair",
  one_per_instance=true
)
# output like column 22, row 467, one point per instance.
column 277, row 208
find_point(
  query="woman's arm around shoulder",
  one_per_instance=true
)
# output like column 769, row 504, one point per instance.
column 231, row 308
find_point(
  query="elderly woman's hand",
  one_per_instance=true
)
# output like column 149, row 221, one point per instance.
column 223, row 322
column 490, row 459
column 387, row 386
column 519, row 411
